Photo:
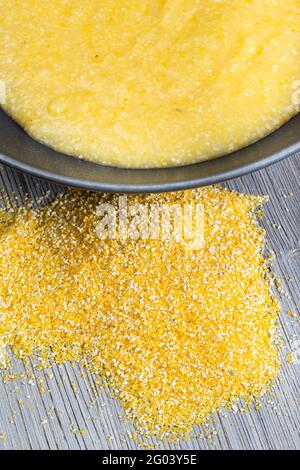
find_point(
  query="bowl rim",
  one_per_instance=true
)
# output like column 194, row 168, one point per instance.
column 148, row 187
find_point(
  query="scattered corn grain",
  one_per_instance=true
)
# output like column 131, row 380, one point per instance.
column 176, row 333
column 292, row 314
column 290, row 358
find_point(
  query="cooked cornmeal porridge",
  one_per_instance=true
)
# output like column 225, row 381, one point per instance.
column 149, row 83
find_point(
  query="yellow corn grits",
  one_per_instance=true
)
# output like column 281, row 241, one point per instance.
column 149, row 83
column 177, row 333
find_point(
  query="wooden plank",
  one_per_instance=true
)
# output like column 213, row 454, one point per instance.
column 69, row 414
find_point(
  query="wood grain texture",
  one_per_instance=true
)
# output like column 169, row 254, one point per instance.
column 69, row 414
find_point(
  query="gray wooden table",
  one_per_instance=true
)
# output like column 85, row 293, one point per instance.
column 61, row 409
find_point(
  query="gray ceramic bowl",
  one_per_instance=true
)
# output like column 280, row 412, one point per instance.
column 20, row 151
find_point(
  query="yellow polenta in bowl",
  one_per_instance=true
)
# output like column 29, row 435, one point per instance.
column 152, row 83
